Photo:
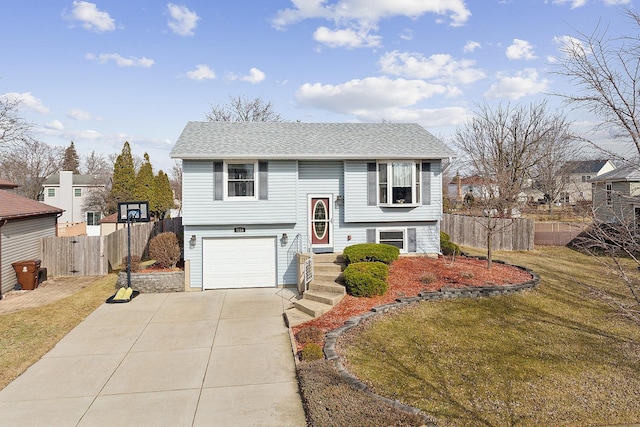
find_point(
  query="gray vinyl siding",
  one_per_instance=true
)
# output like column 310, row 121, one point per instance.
column 21, row 241
column 321, row 178
column 356, row 203
column 200, row 207
column 622, row 206
column 286, row 267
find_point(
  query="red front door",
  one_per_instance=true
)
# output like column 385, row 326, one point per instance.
column 320, row 220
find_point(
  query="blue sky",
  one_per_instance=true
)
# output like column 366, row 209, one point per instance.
column 103, row 72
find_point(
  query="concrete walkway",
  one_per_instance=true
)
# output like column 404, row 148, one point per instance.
column 214, row 358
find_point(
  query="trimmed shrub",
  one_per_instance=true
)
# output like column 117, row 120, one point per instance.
column 370, row 252
column 366, row 279
column 135, row 263
column 165, row 249
column 309, row 334
column 311, row 351
column 447, row 246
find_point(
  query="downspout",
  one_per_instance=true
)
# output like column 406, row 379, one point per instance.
column 3, row 222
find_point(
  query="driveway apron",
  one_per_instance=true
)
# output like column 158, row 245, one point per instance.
column 214, row 358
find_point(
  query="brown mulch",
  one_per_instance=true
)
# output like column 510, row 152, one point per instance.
column 406, row 280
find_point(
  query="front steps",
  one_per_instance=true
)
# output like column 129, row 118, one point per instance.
column 325, row 290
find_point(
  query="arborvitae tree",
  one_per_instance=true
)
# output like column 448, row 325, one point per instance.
column 124, row 177
column 71, row 160
column 164, row 194
column 144, row 186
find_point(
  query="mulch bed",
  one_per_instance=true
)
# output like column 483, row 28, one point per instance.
column 408, row 276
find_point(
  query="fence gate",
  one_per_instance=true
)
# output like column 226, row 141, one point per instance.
column 74, row 256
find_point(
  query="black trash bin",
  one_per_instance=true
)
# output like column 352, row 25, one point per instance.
column 27, row 273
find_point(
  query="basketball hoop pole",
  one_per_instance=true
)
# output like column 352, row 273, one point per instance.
column 128, row 250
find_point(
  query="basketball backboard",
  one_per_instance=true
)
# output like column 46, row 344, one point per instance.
column 133, row 211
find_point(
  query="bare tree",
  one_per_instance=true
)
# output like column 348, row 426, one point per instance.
column 243, row 109
column 96, row 164
column 28, row 163
column 605, row 70
column 13, row 128
column 551, row 175
column 503, row 147
column 615, row 245
column 176, row 182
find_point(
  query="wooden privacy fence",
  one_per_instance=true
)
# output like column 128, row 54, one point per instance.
column 558, row 233
column 515, row 234
column 97, row 255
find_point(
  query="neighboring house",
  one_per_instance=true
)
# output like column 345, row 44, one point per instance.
column 70, row 192
column 109, row 224
column 616, row 195
column 578, row 176
column 256, row 194
column 23, row 222
column 460, row 186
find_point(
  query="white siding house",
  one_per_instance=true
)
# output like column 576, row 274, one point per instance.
column 69, row 192
column 256, row 194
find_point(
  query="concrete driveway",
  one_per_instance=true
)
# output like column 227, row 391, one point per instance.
column 214, row 358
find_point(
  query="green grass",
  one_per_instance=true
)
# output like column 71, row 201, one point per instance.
column 551, row 356
column 27, row 335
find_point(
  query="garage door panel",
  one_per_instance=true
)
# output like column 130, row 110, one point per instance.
column 239, row 262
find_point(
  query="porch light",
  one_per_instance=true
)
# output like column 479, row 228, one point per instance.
column 284, row 239
column 192, row 242
column 339, row 200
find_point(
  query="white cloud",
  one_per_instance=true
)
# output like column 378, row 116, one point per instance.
column 26, row 100
column 439, row 67
column 78, row 114
column 349, row 38
column 54, row 125
column 369, row 94
column 120, row 60
column 520, row 49
column 574, row 3
column 406, row 34
column 91, row 17
column 470, row 46
column 526, row 82
column 255, row 76
column 428, row 117
column 202, row 72
column 370, row 11
column 183, row 21
column 356, row 19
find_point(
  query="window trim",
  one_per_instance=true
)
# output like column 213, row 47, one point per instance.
column 416, row 183
column 405, row 236
column 225, row 180
column 93, row 214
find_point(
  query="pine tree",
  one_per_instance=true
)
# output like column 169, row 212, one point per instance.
column 164, row 194
column 144, row 187
column 71, row 160
column 124, row 177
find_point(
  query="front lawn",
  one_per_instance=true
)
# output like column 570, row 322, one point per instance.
column 27, row 335
column 551, row 356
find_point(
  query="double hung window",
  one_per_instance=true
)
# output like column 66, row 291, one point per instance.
column 241, row 180
column 398, row 183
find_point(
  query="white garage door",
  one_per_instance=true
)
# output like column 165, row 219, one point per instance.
column 239, row 263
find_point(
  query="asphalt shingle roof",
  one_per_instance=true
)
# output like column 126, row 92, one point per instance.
column 14, row 206
column 585, row 166
column 78, row 179
column 623, row 173
column 278, row 140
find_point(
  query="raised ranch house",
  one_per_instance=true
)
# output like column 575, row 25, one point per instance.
column 256, row 194
column 578, row 175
